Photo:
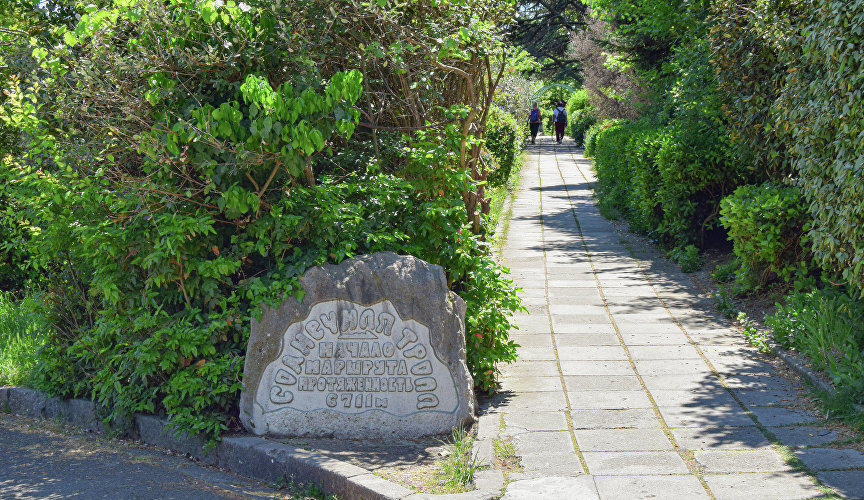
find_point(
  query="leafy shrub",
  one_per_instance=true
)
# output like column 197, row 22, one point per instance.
column 765, row 224
column 580, row 121
column 610, row 147
column 644, row 211
column 504, row 136
column 687, row 257
column 827, row 325
column 22, row 334
column 14, row 272
column 198, row 172
column 578, row 101
column 591, row 134
column 750, row 40
column 822, row 107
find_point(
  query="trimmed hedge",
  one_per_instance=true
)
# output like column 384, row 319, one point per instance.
column 504, row 136
column 824, row 112
column 765, row 223
column 791, row 73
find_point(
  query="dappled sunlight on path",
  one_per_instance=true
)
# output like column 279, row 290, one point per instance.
column 628, row 383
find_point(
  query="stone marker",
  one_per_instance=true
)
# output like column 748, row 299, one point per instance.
column 376, row 349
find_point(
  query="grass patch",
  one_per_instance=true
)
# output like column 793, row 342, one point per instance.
column 498, row 195
column 456, row 469
column 827, row 326
column 22, row 333
column 505, row 455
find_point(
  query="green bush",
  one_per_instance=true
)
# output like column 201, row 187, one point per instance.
column 765, row 223
column 644, row 211
column 791, row 74
column 580, row 121
column 687, row 257
column 577, row 102
column 822, row 107
column 609, row 150
column 591, row 134
column 827, row 326
column 22, row 334
column 504, row 137
column 164, row 210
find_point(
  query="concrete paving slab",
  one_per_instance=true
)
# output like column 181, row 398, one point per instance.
column 622, row 440
column 596, row 368
column 530, row 369
column 671, row 367
column 757, row 397
column 657, row 318
column 804, row 435
column 587, row 353
column 531, row 420
column 664, row 339
column 553, row 464
column 831, row 458
column 625, row 463
column 546, row 401
column 586, row 339
column 683, row 382
column 771, row 416
column 609, row 400
column 704, row 396
column 849, row 484
column 634, row 418
column 564, row 488
column 647, row 352
column 650, row 487
column 543, row 340
column 718, row 416
column 602, row 383
column 573, row 308
column 720, row 438
column 763, row 460
column 531, row 384
column 570, row 322
column 531, row 443
column 787, row 486
column 577, row 328
column 536, row 353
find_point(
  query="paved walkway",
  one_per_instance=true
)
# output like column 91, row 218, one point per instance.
column 628, row 385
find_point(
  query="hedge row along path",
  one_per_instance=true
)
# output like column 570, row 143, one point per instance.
column 628, row 384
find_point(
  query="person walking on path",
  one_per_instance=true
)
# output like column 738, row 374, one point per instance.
column 559, row 116
column 534, row 121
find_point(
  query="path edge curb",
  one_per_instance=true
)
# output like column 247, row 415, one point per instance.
column 250, row 456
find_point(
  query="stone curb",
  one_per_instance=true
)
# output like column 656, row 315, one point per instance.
column 250, row 456
column 798, row 364
column 800, row 367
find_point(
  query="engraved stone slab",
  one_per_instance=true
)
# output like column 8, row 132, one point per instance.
column 375, row 349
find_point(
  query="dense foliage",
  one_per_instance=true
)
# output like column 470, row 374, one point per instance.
column 580, row 115
column 667, row 172
column 504, row 138
column 754, row 107
column 765, row 222
column 824, row 113
column 187, row 161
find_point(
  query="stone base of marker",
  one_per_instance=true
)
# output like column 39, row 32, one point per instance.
column 375, row 349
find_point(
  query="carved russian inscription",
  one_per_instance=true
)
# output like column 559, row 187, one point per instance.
column 352, row 358
column 358, row 357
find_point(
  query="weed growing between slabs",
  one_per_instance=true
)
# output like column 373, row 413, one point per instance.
column 457, row 468
column 21, row 337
